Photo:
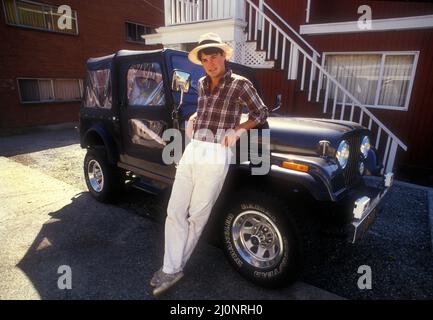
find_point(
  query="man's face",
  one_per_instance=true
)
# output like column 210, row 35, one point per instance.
column 214, row 64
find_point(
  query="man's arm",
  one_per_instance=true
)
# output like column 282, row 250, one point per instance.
column 257, row 115
column 190, row 125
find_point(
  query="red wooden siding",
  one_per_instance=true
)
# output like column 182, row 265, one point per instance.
column 343, row 10
column 292, row 11
column 273, row 82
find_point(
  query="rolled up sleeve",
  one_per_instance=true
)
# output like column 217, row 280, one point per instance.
column 258, row 112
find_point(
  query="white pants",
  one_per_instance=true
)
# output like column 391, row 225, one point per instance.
column 199, row 178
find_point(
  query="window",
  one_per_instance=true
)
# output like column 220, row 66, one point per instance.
column 98, row 89
column 379, row 80
column 145, row 85
column 36, row 16
column 134, row 31
column 50, row 90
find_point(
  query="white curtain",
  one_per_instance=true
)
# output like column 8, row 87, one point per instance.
column 35, row 90
column 359, row 74
column 45, row 90
column 9, row 8
column 30, row 14
column 395, row 81
column 67, row 90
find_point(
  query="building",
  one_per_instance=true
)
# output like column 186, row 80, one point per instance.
column 366, row 61
column 42, row 66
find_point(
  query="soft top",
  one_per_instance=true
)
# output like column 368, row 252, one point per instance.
column 100, row 62
column 105, row 62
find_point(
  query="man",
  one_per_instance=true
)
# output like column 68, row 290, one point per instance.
column 204, row 164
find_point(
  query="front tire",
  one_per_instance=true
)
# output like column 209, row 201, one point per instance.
column 262, row 239
column 102, row 178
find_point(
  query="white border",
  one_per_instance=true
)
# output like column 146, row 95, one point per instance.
column 415, row 22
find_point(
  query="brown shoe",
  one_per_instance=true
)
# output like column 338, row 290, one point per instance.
column 166, row 281
column 156, row 279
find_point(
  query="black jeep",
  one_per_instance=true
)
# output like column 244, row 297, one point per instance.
column 266, row 223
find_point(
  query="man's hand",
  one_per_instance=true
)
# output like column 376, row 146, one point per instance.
column 190, row 125
column 232, row 136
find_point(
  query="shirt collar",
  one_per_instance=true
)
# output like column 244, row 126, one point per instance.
column 223, row 81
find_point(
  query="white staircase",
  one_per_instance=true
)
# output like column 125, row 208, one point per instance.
column 248, row 54
column 262, row 39
column 301, row 62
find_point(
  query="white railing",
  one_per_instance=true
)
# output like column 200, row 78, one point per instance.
column 281, row 47
column 190, row 11
column 265, row 5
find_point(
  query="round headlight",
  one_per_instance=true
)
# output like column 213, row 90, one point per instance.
column 365, row 146
column 343, row 153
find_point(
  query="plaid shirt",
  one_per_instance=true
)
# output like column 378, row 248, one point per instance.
column 222, row 109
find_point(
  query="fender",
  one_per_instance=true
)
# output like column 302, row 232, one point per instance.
column 315, row 185
column 372, row 162
column 97, row 134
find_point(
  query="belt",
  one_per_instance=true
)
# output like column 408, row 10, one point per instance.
column 206, row 139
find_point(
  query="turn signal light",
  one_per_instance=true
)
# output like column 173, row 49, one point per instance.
column 295, row 166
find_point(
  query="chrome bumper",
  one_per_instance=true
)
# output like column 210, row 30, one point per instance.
column 370, row 208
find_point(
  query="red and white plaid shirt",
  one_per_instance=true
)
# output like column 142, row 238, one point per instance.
column 222, row 109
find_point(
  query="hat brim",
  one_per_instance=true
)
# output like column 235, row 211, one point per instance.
column 192, row 55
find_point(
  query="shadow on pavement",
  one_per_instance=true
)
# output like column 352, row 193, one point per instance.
column 37, row 141
column 112, row 254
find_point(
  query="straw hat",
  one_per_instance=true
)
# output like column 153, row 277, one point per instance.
column 209, row 40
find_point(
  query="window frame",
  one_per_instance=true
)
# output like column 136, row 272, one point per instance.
column 383, row 55
column 44, row 5
column 80, row 85
column 142, row 41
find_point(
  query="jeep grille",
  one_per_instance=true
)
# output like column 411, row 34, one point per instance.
column 351, row 173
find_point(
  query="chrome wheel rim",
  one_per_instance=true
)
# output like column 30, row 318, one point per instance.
column 95, row 175
column 257, row 239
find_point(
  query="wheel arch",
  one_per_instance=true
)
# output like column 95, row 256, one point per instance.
column 99, row 136
column 282, row 183
column 289, row 191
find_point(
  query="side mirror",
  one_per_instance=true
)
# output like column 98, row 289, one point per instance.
column 181, row 81
column 277, row 102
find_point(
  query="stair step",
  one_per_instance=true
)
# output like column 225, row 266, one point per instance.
column 254, row 57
